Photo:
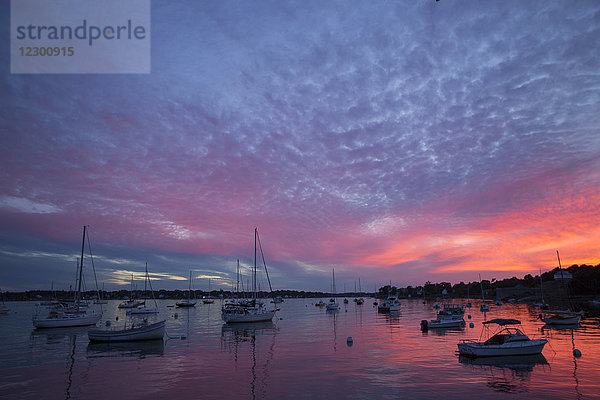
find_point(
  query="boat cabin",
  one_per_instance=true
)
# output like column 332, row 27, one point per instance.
column 506, row 335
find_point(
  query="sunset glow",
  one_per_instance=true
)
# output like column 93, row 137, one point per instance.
column 404, row 142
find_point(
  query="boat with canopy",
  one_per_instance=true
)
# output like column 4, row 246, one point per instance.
column 507, row 340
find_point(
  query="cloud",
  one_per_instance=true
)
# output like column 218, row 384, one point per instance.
column 27, row 206
column 373, row 136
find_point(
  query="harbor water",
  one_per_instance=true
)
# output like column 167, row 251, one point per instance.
column 304, row 353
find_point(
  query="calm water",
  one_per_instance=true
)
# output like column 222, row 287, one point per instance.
column 303, row 354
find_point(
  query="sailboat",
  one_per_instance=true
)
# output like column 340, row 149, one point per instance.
column 360, row 300
column 145, row 310
column 251, row 310
column 189, row 302
column 209, row 299
column 100, row 300
column 60, row 316
column 3, row 308
column 561, row 317
column 332, row 305
column 131, row 303
column 468, row 305
column 484, row 307
column 542, row 305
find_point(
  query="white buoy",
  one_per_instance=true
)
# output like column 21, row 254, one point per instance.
column 577, row 353
column 349, row 341
column 469, row 316
column 471, row 325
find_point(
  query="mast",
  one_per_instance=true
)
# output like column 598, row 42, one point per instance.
column 333, row 283
column 542, row 287
column 190, row 287
column 145, row 282
column 81, row 268
column 237, row 274
column 254, row 275
column 481, row 284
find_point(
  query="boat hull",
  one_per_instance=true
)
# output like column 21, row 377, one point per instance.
column 248, row 317
column 145, row 332
column 562, row 320
column 478, row 349
column 185, row 304
column 445, row 324
column 63, row 322
column 143, row 310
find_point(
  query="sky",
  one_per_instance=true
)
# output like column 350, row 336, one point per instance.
column 392, row 141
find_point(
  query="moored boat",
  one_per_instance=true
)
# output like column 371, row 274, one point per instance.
column 391, row 303
column 332, row 305
column 232, row 313
column 58, row 318
column 59, row 315
column 508, row 340
column 451, row 316
column 141, row 331
column 189, row 302
column 252, row 310
column 560, row 317
column 131, row 303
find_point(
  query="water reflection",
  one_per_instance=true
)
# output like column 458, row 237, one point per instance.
column 140, row 349
column 509, row 374
column 236, row 338
column 57, row 335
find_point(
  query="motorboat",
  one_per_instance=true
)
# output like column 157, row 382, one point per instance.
column 135, row 332
column 451, row 316
column 321, row 303
column 453, row 309
column 508, row 340
column 391, row 303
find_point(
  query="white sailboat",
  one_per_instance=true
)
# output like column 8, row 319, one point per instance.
column 253, row 310
column 131, row 303
column 561, row 317
column 209, row 299
column 145, row 310
column 332, row 305
column 483, row 307
column 141, row 331
column 60, row 316
column 189, row 302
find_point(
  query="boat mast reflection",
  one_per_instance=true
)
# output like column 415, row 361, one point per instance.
column 233, row 337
